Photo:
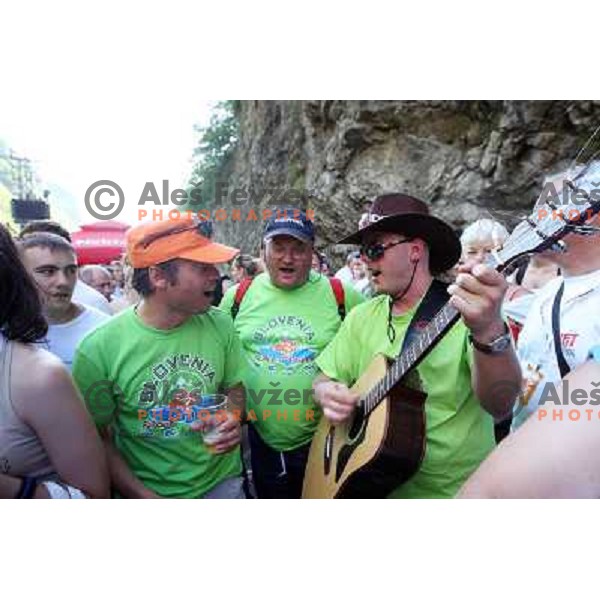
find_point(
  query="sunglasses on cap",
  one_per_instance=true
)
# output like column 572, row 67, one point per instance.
column 202, row 227
column 376, row 251
column 205, row 228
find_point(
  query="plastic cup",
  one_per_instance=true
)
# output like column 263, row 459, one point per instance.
column 210, row 411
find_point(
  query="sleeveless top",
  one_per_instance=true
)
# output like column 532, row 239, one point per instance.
column 21, row 452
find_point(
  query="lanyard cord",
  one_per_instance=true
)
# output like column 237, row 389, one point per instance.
column 391, row 332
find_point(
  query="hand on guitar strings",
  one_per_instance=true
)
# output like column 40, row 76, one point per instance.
column 336, row 400
column 477, row 294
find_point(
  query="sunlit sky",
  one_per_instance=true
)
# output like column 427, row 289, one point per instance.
column 135, row 140
column 121, row 109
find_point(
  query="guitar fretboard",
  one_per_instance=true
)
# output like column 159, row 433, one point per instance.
column 412, row 356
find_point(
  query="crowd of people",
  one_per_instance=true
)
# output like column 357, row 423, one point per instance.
column 127, row 356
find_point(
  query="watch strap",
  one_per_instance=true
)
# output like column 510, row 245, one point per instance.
column 489, row 348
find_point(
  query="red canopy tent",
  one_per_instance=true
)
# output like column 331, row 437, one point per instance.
column 100, row 243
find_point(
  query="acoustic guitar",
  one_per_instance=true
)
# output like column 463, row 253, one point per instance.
column 382, row 445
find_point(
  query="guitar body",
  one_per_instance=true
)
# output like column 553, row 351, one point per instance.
column 368, row 457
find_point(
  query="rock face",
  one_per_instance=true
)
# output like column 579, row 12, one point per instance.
column 460, row 156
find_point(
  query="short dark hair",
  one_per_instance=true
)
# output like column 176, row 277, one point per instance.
column 45, row 226
column 21, row 317
column 51, row 241
column 140, row 281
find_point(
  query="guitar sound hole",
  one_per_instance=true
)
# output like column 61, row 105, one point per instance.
column 357, row 423
column 356, row 435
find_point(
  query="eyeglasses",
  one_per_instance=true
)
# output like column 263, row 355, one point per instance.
column 203, row 227
column 376, row 251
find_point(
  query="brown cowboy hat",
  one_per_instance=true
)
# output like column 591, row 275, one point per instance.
column 410, row 216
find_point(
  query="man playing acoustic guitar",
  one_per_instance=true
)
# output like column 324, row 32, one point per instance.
column 470, row 376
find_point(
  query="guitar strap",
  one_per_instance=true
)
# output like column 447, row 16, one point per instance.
column 435, row 298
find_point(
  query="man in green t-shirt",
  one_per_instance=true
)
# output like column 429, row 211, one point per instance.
column 285, row 318
column 404, row 247
column 143, row 372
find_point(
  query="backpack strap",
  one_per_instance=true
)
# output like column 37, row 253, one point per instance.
column 563, row 365
column 240, row 292
column 338, row 291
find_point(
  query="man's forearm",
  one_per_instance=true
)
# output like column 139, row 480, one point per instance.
column 496, row 381
column 122, row 479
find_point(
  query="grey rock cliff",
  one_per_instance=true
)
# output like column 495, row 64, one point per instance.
column 460, row 156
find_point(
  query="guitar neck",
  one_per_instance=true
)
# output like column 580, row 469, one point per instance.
column 412, row 356
column 427, row 339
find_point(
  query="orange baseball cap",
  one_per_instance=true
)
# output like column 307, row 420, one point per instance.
column 154, row 243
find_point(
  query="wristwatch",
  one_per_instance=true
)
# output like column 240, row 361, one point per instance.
column 498, row 346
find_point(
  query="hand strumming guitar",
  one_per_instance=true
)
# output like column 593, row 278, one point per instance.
column 336, row 400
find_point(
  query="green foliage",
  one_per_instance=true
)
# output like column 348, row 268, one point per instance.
column 216, row 144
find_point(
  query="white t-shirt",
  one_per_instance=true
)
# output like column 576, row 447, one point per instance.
column 63, row 338
column 344, row 275
column 519, row 308
column 88, row 296
column 579, row 332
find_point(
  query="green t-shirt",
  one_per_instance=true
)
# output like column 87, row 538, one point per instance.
column 156, row 370
column 282, row 332
column 460, row 434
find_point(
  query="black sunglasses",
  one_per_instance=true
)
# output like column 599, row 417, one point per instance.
column 204, row 227
column 376, row 251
